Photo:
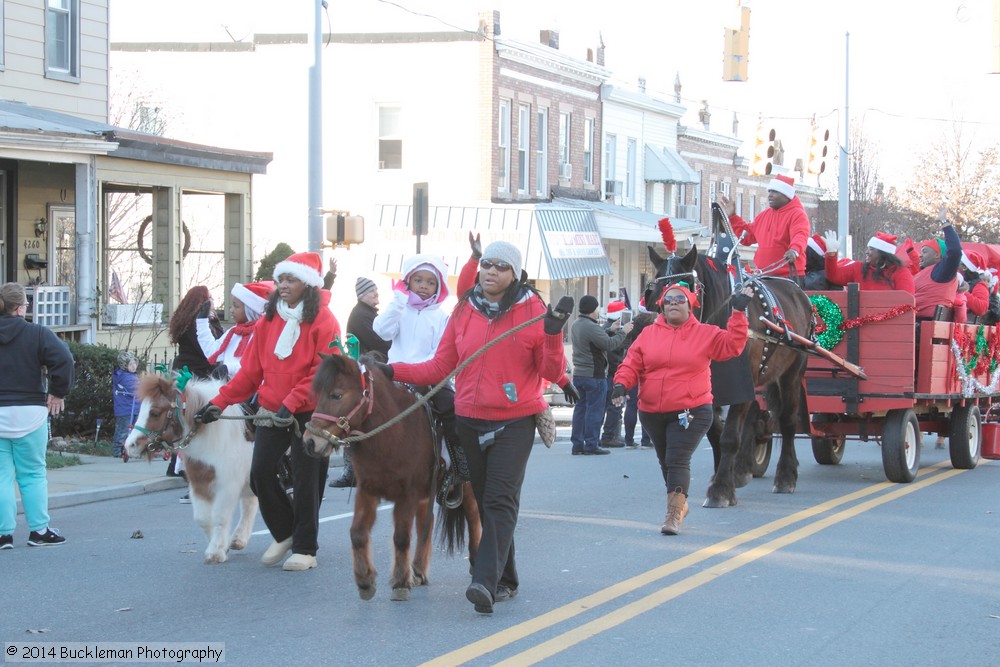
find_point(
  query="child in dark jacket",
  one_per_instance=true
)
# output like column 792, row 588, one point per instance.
column 123, row 383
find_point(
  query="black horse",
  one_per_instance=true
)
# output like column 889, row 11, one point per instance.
column 767, row 362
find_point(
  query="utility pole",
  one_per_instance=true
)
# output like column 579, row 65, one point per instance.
column 316, row 133
column 844, row 203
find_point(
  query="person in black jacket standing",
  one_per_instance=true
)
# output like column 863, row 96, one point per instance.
column 28, row 352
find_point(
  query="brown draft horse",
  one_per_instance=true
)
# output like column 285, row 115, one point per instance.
column 774, row 365
column 399, row 464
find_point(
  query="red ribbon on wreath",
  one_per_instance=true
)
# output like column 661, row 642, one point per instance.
column 880, row 317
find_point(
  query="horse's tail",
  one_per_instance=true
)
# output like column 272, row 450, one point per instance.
column 451, row 531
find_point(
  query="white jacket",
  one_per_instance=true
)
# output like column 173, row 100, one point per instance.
column 210, row 344
column 415, row 334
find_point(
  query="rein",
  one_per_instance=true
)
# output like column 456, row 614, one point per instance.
column 352, row 439
column 156, row 442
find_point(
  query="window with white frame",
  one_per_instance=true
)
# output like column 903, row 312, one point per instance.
column 588, row 150
column 726, row 188
column 753, row 207
column 739, row 204
column 390, row 137
column 610, row 151
column 565, row 168
column 523, row 145
column 542, row 154
column 503, row 147
column 631, row 155
column 713, row 188
column 62, row 39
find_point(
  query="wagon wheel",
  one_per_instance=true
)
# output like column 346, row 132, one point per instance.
column 829, row 451
column 757, row 431
column 965, row 437
column 901, row 446
column 761, row 455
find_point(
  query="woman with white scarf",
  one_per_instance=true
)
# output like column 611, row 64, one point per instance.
column 279, row 364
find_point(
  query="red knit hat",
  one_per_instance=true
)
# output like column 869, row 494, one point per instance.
column 691, row 296
column 884, row 242
column 783, row 184
column 306, row 266
column 817, row 243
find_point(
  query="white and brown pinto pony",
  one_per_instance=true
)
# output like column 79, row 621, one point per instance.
column 216, row 456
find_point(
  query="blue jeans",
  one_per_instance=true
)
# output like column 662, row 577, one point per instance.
column 23, row 459
column 588, row 414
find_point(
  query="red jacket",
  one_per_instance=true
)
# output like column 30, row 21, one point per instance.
column 671, row 364
column 978, row 298
column 523, row 360
column 775, row 232
column 277, row 381
column 899, row 277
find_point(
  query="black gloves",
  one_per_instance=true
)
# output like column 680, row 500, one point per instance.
column 556, row 319
column 205, row 309
column 385, row 368
column 571, row 394
column 208, row 414
column 476, row 245
column 739, row 301
column 283, row 418
column 618, row 392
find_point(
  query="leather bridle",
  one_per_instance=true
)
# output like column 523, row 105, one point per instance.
column 367, row 403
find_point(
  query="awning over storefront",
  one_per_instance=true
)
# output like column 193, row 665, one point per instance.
column 665, row 165
column 555, row 242
column 630, row 224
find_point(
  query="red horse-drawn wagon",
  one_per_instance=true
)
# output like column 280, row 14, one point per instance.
column 938, row 378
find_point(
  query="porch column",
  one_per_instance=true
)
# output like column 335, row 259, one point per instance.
column 86, row 247
column 168, row 243
column 238, row 241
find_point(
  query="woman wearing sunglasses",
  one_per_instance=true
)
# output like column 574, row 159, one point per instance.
column 496, row 399
column 670, row 363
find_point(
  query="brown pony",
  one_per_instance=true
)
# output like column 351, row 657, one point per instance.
column 400, row 464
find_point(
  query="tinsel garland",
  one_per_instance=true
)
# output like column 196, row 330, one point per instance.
column 831, row 325
column 971, row 385
column 977, row 354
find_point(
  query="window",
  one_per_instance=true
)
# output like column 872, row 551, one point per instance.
column 565, row 168
column 62, row 39
column 523, row 144
column 542, row 154
column 713, row 187
column 630, row 169
column 753, row 207
column 739, row 204
column 588, row 150
column 503, row 147
column 610, row 149
column 726, row 187
column 390, row 138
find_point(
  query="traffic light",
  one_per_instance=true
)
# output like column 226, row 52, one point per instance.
column 763, row 151
column 736, row 49
column 817, row 149
column 343, row 229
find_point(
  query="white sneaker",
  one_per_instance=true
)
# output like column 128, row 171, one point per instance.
column 276, row 552
column 299, row 562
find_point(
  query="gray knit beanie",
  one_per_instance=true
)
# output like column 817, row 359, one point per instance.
column 505, row 252
column 364, row 285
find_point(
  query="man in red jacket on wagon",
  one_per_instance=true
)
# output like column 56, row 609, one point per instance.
column 780, row 231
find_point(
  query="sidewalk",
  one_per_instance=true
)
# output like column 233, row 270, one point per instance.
column 105, row 478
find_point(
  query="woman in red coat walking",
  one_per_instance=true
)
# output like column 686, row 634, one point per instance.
column 670, row 363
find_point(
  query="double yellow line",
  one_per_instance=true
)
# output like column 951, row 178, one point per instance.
column 624, row 613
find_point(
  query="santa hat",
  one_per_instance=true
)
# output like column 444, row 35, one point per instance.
column 974, row 261
column 783, row 184
column 691, row 296
column 817, row 243
column 306, row 266
column 884, row 242
column 615, row 310
column 253, row 295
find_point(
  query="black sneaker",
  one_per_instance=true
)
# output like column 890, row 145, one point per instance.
column 47, row 539
column 6, row 542
column 186, row 499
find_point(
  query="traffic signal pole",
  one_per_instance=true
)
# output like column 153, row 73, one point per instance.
column 844, row 203
column 316, row 134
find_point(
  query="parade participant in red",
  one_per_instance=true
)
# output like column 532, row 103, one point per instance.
column 978, row 294
column 279, row 365
column 935, row 284
column 881, row 270
column 780, row 231
column 670, row 363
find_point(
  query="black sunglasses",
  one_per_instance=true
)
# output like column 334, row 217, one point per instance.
column 499, row 266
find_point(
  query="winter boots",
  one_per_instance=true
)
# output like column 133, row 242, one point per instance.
column 677, row 509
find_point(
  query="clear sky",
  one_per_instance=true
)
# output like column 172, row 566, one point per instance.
column 915, row 66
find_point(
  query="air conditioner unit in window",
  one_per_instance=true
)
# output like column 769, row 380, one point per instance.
column 566, row 170
column 612, row 187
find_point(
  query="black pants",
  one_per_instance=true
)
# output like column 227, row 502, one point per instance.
column 497, row 473
column 675, row 445
column 298, row 518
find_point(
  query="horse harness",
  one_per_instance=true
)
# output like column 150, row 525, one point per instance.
column 344, row 423
column 156, row 442
column 772, row 312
